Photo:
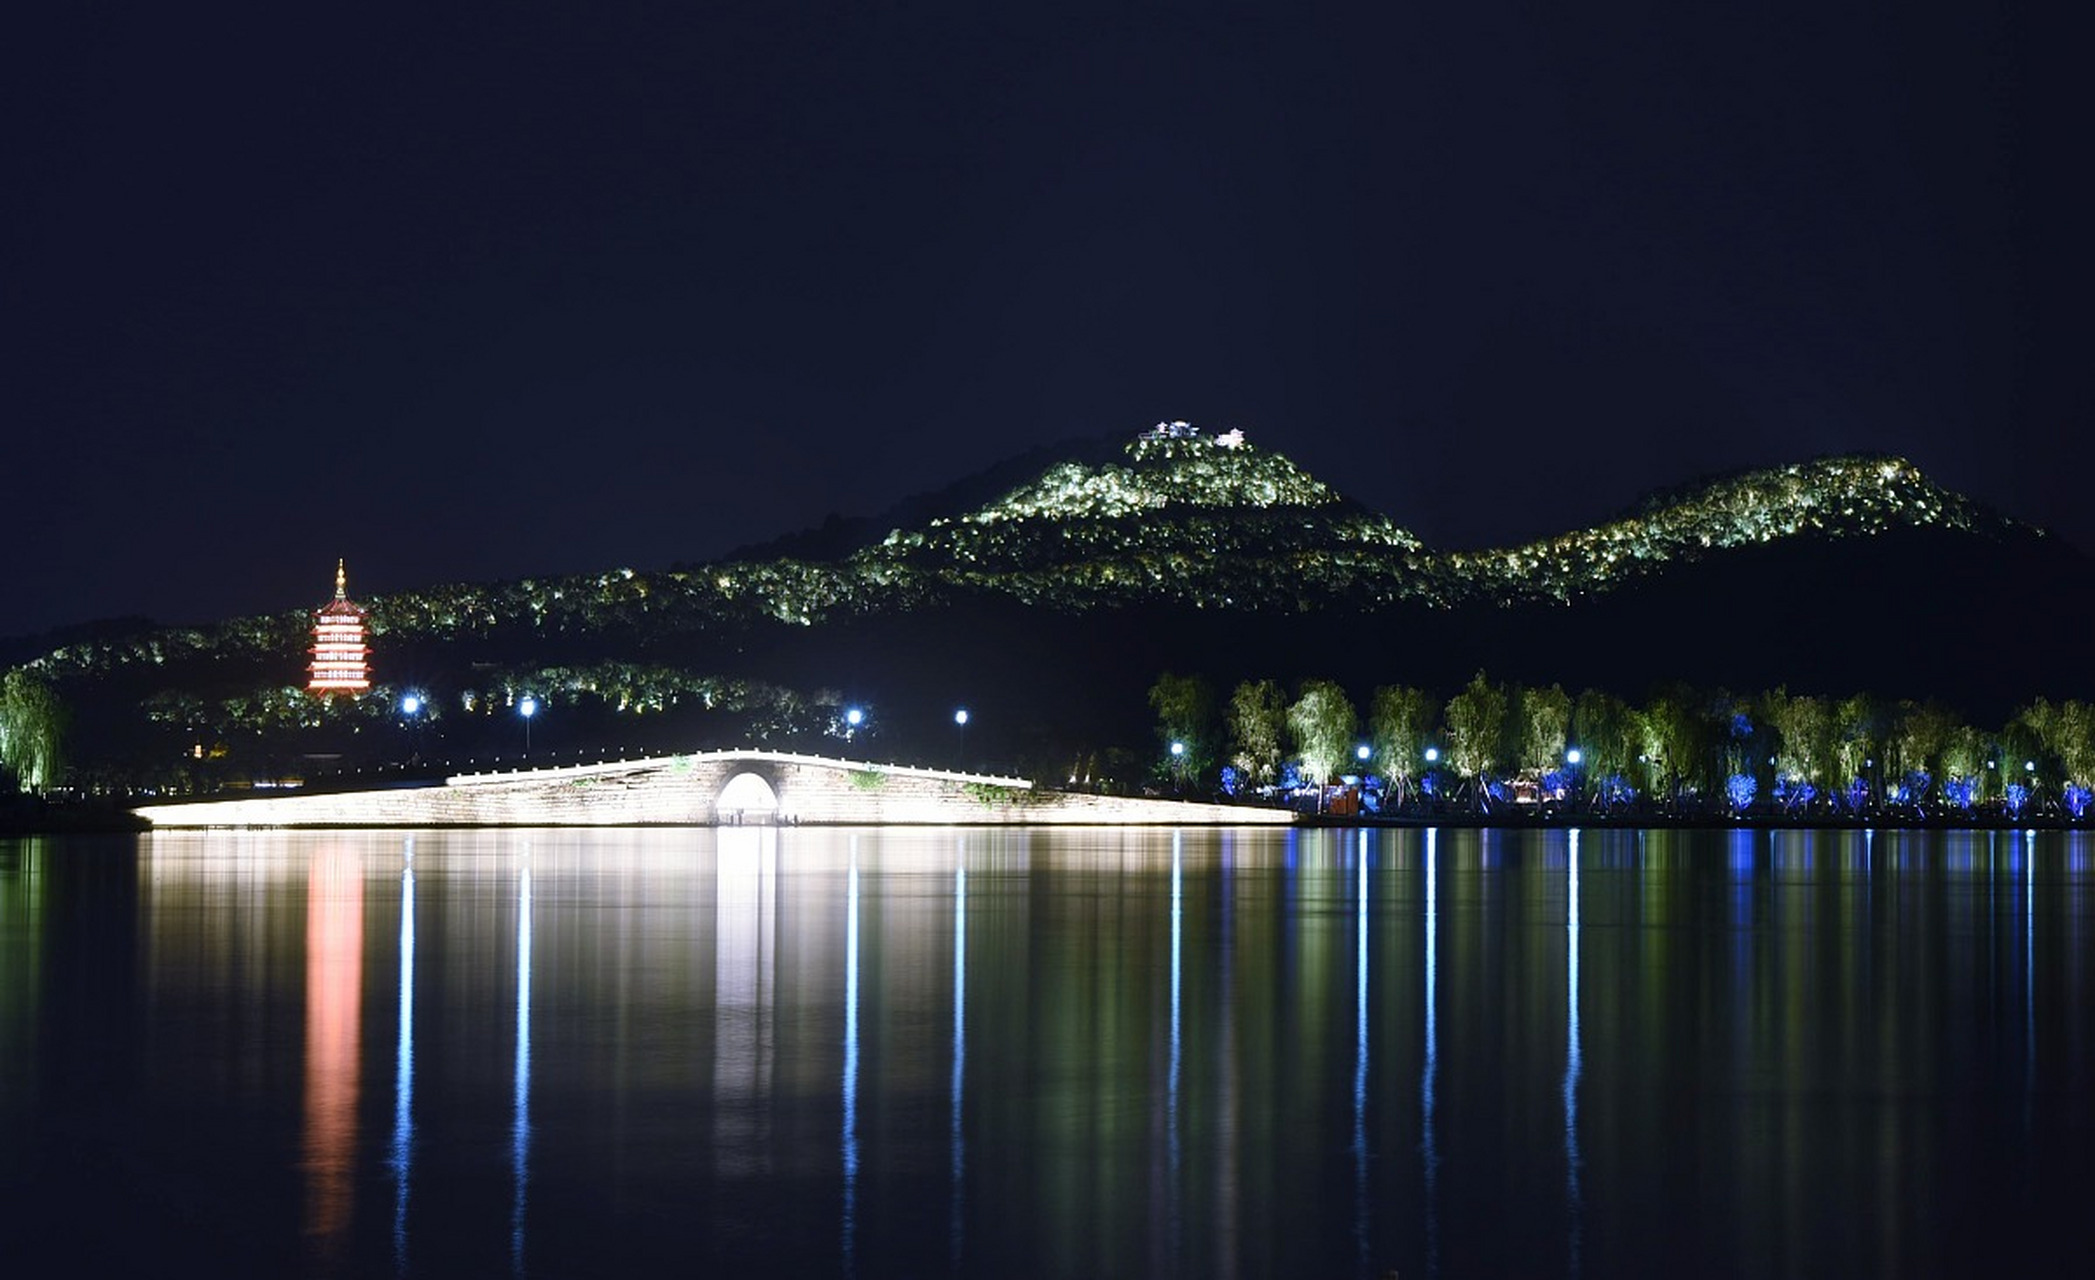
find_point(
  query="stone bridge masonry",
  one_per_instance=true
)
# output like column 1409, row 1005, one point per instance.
column 705, row 788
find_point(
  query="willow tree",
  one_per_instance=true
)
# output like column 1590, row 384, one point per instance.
column 1258, row 718
column 1607, row 733
column 1676, row 738
column 1322, row 723
column 1859, row 723
column 32, row 729
column 1185, row 719
column 1808, row 736
column 2067, row 732
column 1922, row 731
column 1544, row 718
column 1400, row 721
column 1476, row 720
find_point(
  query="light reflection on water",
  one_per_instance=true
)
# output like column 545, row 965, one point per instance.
column 1081, row 1053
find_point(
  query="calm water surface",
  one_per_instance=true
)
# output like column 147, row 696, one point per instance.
column 1009, row 1053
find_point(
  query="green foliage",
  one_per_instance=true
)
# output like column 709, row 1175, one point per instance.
column 1185, row 710
column 1858, row 725
column 1608, row 733
column 868, row 779
column 993, row 794
column 2066, row 733
column 1807, row 736
column 32, row 729
column 1257, row 722
column 1544, row 719
column 1677, row 734
column 1400, row 727
column 1922, row 732
column 1321, row 722
column 1476, row 720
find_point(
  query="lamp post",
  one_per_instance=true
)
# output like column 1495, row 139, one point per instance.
column 960, row 719
column 853, row 718
column 527, row 707
column 410, row 713
column 1178, row 765
column 1573, row 758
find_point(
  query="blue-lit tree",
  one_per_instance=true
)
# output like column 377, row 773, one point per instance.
column 1740, row 789
column 2076, row 797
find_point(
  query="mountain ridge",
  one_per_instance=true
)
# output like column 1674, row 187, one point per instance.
column 1183, row 550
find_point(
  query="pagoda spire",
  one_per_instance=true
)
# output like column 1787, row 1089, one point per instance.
column 341, row 579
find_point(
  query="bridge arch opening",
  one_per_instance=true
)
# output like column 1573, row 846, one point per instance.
column 747, row 798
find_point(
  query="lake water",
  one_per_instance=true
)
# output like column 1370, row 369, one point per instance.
column 1033, row 1053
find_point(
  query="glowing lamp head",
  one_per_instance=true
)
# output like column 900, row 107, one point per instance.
column 1361, row 752
column 1432, row 755
column 410, row 704
column 1178, row 749
column 1573, row 756
column 2029, row 766
column 960, row 717
column 527, row 706
column 854, row 717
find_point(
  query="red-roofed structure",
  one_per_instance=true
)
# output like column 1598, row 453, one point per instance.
column 341, row 659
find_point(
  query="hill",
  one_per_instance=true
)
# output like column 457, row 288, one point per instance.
column 1048, row 593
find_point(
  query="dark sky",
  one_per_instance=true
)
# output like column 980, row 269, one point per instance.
column 532, row 292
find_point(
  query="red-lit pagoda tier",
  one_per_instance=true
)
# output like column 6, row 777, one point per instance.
column 341, row 660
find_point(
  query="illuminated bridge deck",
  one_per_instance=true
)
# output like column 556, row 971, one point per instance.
column 708, row 789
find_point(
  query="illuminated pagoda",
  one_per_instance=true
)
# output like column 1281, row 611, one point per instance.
column 341, row 660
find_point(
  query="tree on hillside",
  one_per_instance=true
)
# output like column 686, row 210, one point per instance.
column 1476, row 721
column 1185, row 708
column 32, row 730
column 1258, row 717
column 1322, row 723
column 1400, row 723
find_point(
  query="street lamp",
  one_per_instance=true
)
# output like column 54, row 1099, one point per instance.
column 1572, row 757
column 410, row 711
column 960, row 718
column 1432, row 755
column 527, row 707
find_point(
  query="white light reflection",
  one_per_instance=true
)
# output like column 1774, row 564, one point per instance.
column 1429, row 1073
column 520, row 1131
column 1360, row 1054
column 1573, row 1196
column 1177, row 977
column 956, row 1228
column 745, row 914
column 404, row 1062
column 850, row 1133
column 2029, row 974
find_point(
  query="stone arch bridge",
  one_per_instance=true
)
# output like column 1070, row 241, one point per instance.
column 702, row 789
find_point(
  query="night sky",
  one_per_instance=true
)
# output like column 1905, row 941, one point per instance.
column 530, row 292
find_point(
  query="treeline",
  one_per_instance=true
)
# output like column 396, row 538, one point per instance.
column 1684, row 752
